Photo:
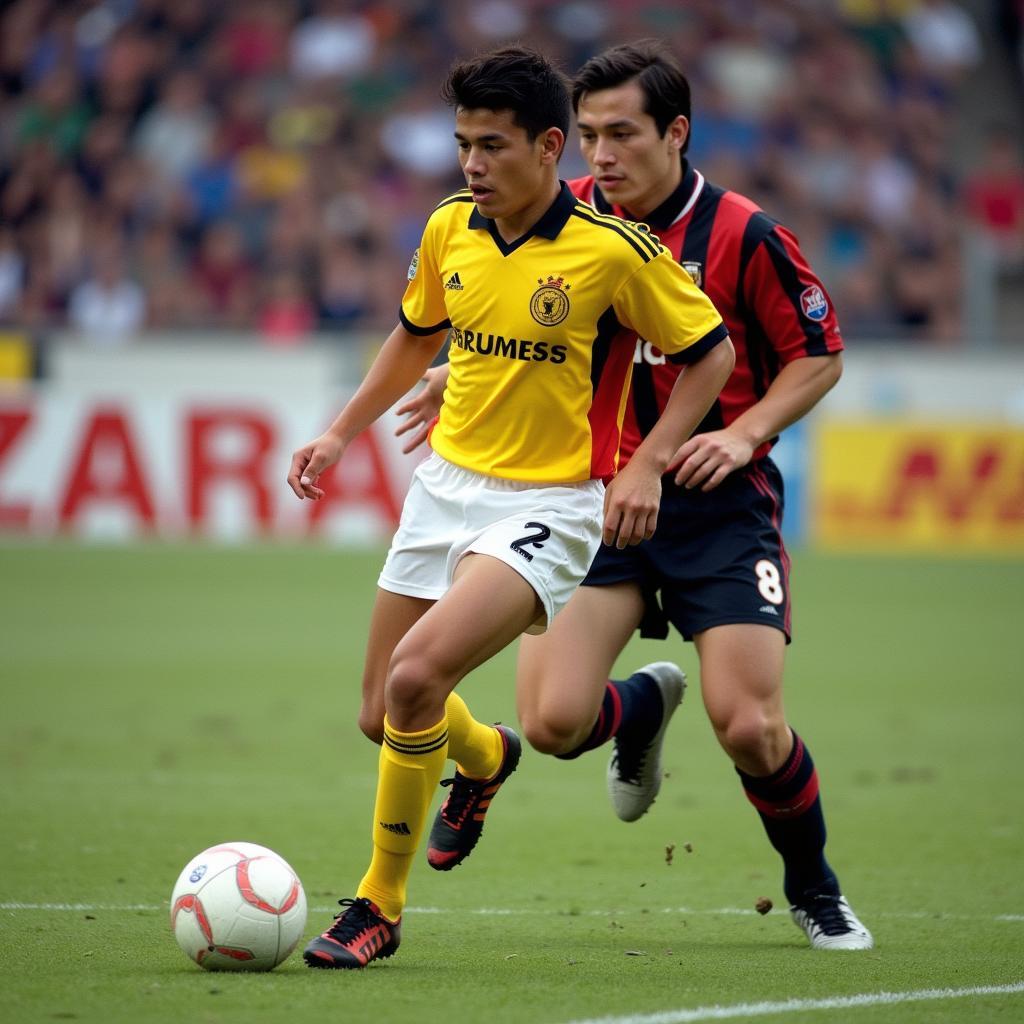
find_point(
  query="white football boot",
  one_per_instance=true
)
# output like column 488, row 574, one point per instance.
column 634, row 772
column 829, row 923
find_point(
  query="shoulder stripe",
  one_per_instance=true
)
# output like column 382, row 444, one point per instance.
column 646, row 239
column 465, row 196
column 642, row 236
column 619, row 227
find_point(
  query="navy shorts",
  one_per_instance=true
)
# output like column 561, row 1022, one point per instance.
column 716, row 558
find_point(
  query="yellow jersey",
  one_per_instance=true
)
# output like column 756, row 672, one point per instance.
column 542, row 334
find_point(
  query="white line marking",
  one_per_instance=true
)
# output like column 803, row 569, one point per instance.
column 910, row 915
column 798, row 1005
column 86, row 906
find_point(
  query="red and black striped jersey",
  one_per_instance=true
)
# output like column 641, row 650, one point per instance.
column 751, row 267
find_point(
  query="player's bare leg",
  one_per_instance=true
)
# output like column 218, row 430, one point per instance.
column 741, row 682
column 471, row 744
column 568, row 705
column 487, row 607
column 562, row 674
column 392, row 617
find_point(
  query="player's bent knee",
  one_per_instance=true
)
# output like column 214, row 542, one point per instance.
column 550, row 735
column 414, row 685
column 747, row 738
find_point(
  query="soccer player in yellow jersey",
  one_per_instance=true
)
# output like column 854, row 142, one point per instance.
column 501, row 522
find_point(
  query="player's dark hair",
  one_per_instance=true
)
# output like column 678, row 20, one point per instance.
column 512, row 78
column 652, row 66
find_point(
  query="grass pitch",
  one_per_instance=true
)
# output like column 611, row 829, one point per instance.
column 157, row 700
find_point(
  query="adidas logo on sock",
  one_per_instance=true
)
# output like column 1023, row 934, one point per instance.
column 398, row 827
column 453, row 284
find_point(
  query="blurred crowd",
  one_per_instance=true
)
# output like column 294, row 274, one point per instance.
column 268, row 165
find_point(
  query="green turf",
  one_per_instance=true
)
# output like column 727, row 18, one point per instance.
column 157, row 700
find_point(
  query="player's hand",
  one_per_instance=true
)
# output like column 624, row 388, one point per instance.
column 421, row 410
column 705, row 460
column 310, row 461
column 631, row 506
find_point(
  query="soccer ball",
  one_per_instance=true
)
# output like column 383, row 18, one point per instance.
column 238, row 907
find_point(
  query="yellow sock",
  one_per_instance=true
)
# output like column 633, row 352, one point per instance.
column 411, row 764
column 476, row 748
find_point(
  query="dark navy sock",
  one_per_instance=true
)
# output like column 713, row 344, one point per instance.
column 631, row 707
column 790, row 810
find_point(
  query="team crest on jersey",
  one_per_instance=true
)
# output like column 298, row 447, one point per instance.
column 414, row 264
column 813, row 303
column 695, row 270
column 550, row 303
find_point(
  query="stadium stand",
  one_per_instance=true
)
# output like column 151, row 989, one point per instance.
column 267, row 165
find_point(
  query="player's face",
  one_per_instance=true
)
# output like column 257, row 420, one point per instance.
column 506, row 172
column 634, row 166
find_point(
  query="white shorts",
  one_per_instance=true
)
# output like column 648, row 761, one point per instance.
column 548, row 533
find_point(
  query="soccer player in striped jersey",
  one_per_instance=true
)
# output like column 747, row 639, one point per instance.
column 716, row 568
column 540, row 295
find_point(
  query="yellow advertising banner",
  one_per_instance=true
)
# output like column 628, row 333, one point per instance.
column 15, row 355
column 915, row 486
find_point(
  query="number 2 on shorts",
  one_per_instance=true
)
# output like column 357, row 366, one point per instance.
column 535, row 540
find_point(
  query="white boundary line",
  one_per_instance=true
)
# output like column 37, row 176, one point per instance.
column 914, row 915
column 739, row 1010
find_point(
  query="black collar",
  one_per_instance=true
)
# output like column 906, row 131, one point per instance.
column 549, row 226
column 664, row 215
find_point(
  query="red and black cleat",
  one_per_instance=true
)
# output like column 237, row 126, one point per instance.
column 460, row 819
column 359, row 935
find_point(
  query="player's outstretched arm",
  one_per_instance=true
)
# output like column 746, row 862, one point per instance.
column 422, row 409
column 632, row 499
column 705, row 460
column 401, row 362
